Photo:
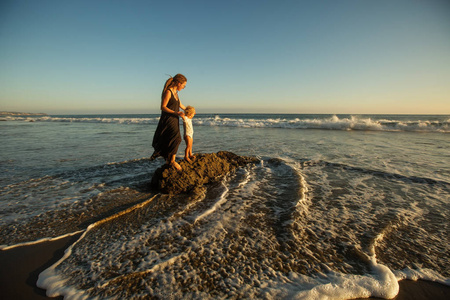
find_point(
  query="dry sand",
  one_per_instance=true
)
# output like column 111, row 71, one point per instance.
column 20, row 267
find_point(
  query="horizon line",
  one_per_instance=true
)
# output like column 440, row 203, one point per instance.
column 216, row 113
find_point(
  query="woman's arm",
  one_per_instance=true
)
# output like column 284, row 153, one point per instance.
column 182, row 106
column 164, row 107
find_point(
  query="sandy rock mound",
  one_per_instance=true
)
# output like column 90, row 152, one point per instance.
column 205, row 169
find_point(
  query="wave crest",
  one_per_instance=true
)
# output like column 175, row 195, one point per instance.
column 331, row 123
column 359, row 123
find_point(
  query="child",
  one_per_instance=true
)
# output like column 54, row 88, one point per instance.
column 188, row 132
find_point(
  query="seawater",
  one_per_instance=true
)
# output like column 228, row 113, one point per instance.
column 339, row 206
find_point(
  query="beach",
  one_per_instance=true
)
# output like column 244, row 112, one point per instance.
column 317, row 166
column 337, row 205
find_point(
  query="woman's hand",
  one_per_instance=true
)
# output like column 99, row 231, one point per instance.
column 181, row 114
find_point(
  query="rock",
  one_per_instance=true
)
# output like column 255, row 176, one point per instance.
column 206, row 168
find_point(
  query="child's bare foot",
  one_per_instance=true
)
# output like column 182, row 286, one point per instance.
column 192, row 157
column 188, row 160
column 176, row 166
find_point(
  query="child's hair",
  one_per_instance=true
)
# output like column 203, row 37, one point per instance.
column 190, row 110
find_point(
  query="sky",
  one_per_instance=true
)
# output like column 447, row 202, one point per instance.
column 324, row 56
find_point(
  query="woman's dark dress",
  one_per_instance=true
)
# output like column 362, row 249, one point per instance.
column 167, row 136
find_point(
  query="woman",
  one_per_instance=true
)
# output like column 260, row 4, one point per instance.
column 167, row 136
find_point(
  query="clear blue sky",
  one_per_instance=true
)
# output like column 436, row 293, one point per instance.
column 360, row 56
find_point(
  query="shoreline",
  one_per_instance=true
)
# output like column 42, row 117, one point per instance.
column 20, row 267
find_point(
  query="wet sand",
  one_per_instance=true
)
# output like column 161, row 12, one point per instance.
column 420, row 290
column 20, row 267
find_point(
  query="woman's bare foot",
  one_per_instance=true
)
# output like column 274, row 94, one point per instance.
column 176, row 166
column 154, row 155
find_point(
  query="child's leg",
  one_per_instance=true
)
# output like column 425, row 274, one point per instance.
column 190, row 148
column 188, row 151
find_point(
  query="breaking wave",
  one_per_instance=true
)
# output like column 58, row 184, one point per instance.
column 363, row 123
column 331, row 123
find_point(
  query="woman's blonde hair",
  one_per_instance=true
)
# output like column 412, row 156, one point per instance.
column 173, row 81
column 190, row 110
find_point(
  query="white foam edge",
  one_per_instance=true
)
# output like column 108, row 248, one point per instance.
column 303, row 196
column 42, row 240
column 54, row 284
column 155, row 268
column 422, row 274
column 382, row 283
column 221, row 199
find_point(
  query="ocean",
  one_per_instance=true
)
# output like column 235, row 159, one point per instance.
column 338, row 206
